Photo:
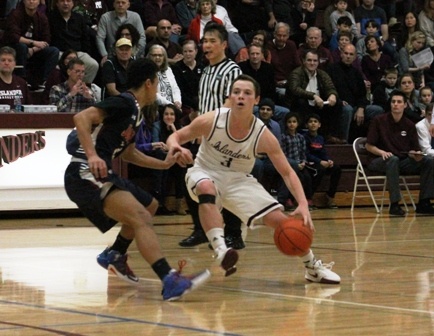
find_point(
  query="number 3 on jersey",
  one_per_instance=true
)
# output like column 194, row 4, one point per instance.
column 227, row 163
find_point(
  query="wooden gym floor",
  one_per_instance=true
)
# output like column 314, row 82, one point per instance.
column 50, row 283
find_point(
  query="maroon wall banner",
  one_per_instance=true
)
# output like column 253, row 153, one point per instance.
column 13, row 147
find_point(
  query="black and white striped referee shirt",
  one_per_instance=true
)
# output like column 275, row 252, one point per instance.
column 215, row 83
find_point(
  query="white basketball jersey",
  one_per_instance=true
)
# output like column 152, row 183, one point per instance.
column 221, row 152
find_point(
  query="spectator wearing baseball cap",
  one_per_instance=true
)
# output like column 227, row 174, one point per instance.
column 123, row 42
column 114, row 70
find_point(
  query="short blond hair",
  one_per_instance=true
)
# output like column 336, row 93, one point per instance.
column 413, row 37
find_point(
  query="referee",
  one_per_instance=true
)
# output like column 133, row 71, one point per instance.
column 214, row 89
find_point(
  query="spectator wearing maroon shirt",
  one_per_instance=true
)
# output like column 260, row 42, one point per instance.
column 392, row 139
column 314, row 42
column 156, row 10
column 10, row 84
column 284, row 57
column 28, row 32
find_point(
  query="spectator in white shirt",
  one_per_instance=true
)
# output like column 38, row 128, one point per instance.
column 423, row 127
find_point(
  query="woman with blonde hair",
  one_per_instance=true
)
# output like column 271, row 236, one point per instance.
column 415, row 44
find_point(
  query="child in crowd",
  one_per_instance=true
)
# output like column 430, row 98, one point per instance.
column 425, row 98
column 294, row 147
column 381, row 94
column 319, row 162
column 372, row 29
column 341, row 11
column 344, row 26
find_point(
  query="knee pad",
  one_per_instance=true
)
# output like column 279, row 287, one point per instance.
column 206, row 198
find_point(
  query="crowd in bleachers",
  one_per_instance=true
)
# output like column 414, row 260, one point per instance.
column 337, row 59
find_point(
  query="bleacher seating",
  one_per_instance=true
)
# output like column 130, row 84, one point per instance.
column 342, row 154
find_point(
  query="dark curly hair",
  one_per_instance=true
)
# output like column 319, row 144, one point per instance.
column 135, row 35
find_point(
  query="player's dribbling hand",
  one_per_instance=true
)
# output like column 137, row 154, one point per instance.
column 303, row 211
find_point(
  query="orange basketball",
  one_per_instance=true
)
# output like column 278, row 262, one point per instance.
column 292, row 237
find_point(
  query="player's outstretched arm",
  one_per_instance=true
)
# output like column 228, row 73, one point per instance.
column 200, row 126
column 268, row 144
column 132, row 155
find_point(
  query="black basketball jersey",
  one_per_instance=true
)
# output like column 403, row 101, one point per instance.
column 117, row 131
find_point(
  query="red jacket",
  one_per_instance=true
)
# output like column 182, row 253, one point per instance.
column 194, row 28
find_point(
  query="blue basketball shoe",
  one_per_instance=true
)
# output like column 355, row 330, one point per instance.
column 176, row 285
column 116, row 263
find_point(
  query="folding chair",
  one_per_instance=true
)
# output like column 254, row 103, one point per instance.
column 367, row 179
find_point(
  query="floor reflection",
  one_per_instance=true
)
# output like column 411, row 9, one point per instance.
column 386, row 265
column 53, row 273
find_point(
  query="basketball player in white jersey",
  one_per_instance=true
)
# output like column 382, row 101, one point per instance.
column 220, row 177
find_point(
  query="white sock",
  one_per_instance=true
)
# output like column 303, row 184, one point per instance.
column 308, row 259
column 217, row 238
